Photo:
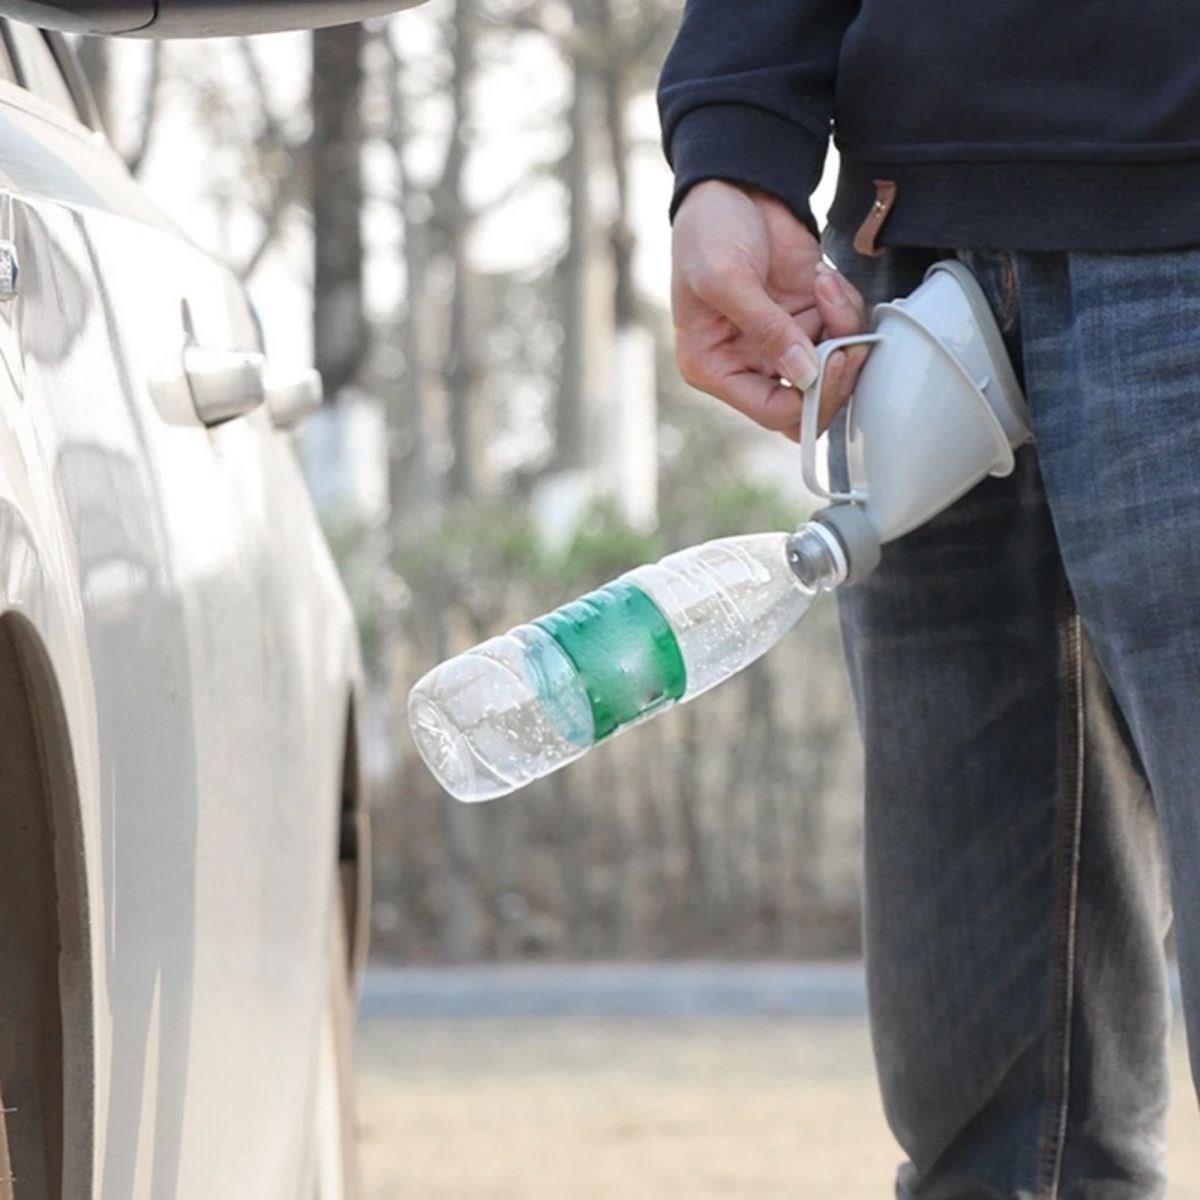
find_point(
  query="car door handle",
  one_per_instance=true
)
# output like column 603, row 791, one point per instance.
column 224, row 383
column 293, row 395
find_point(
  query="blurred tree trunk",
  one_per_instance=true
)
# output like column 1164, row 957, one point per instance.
column 614, row 85
column 339, row 317
column 696, row 890
column 571, row 401
column 410, row 473
column 633, row 399
column 570, row 849
column 454, row 219
column 763, row 727
column 461, row 934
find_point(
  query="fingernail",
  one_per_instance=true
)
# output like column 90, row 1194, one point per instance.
column 831, row 288
column 799, row 364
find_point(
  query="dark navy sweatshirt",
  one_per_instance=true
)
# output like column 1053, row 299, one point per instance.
column 1022, row 124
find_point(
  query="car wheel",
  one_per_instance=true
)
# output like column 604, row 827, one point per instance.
column 334, row 1134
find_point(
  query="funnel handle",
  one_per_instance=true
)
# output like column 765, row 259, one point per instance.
column 812, row 411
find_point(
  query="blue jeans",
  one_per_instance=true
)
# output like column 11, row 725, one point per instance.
column 1027, row 672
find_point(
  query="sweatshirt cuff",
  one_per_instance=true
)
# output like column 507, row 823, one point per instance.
column 740, row 143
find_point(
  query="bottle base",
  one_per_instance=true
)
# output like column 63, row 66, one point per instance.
column 442, row 747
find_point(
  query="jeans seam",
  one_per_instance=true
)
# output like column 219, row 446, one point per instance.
column 1062, row 966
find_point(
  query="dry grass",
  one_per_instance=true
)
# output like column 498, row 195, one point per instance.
column 632, row 1109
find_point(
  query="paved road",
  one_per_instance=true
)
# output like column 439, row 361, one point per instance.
column 655, row 989
column 712, row 1081
column 679, row 989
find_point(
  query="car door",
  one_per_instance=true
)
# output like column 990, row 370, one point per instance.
column 214, row 831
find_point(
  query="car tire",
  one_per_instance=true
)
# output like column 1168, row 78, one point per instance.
column 335, row 1139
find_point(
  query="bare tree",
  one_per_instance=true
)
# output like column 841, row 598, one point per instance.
column 452, row 222
column 340, row 335
column 278, row 161
column 411, row 481
column 615, row 58
column 571, row 408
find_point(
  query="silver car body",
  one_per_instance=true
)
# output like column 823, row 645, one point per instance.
column 193, row 661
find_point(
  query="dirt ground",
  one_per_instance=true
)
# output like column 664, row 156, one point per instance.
column 534, row 1108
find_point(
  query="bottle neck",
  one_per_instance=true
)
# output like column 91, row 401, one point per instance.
column 816, row 557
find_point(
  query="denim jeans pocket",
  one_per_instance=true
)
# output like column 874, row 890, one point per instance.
column 997, row 273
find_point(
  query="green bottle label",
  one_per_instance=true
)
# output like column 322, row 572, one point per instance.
column 624, row 650
column 557, row 684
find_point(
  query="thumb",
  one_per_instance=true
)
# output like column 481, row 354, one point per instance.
column 775, row 335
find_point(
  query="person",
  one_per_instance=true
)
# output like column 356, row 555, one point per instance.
column 1026, row 666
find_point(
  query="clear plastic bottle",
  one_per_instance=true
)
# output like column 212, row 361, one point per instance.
column 520, row 706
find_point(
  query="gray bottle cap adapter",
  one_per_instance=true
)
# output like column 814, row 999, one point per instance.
column 859, row 541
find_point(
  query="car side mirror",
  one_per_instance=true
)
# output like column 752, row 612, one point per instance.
column 193, row 18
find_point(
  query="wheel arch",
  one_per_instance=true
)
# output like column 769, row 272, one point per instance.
column 354, row 842
column 47, row 975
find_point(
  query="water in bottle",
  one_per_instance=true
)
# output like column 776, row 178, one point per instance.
column 520, row 706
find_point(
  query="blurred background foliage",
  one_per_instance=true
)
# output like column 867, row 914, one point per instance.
column 459, row 214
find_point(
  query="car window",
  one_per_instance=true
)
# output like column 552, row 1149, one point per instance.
column 37, row 67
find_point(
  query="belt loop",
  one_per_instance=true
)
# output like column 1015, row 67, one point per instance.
column 868, row 231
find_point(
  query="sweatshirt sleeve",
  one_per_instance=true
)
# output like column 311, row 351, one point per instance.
column 746, row 94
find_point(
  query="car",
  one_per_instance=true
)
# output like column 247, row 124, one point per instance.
column 183, row 855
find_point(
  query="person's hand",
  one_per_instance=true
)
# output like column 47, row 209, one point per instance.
column 751, row 294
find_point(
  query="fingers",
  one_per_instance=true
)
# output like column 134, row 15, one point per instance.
column 764, row 400
column 755, row 394
column 843, row 311
column 775, row 335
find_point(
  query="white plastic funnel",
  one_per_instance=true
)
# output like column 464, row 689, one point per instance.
column 937, row 406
